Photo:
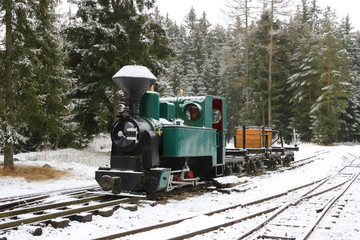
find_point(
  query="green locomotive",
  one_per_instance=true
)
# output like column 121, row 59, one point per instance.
column 162, row 143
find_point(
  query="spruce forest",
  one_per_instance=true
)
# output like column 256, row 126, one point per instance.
column 296, row 69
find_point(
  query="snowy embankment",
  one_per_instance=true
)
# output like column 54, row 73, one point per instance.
column 84, row 163
column 79, row 164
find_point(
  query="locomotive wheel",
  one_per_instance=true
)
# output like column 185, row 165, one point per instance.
column 258, row 164
column 273, row 163
column 250, row 166
column 247, row 166
column 237, row 168
column 267, row 163
column 286, row 161
column 228, row 169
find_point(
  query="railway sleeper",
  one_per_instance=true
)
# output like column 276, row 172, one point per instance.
column 106, row 212
column 59, row 223
column 81, row 217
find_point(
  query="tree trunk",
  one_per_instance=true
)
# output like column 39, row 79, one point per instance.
column 116, row 103
column 247, row 57
column 9, row 101
column 329, row 77
column 9, row 157
column 270, row 63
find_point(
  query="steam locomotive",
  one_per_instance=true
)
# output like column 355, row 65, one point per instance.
column 163, row 143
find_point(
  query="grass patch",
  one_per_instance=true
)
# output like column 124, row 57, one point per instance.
column 31, row 173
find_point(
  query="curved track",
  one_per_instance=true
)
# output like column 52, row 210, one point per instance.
column 246, row 210
column 298, row 219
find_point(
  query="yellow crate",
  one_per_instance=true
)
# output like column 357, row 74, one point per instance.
column 254, row 138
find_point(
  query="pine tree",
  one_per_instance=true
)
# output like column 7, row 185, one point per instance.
column 106, row 36
column 174, row 74
column 258, row 74
column 304, row 82
column 193, row 55
column 216, row 38
column 232, row 85
column 275, row 7
column 356, row 84
column 334, row 82
column 165, row 82
column 350, row 118
column 192, row 51
column 42, row 89
column 35, row 97
column 305, row 69
column 281, row 109
column 241, row 11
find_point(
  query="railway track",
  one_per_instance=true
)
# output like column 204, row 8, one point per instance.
column 230, row 215
column 9, row 203
column 239, row 216
column 299, row 219
column 270, row 215
column 303, row 161
column 83, row 204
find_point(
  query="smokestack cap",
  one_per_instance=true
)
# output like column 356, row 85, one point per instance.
column 134, row 80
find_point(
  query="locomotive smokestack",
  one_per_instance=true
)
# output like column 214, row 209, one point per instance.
column 134, row 81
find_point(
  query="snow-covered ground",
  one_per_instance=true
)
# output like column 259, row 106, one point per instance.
column 82, row 165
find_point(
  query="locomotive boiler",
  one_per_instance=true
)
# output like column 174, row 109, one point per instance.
column 162, row 143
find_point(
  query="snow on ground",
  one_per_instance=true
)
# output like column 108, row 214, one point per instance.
column 81, row 164
column 84, row 163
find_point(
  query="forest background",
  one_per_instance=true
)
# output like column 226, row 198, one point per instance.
column 276, row 67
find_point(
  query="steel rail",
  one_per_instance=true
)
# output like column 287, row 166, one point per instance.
column 286, row 206
column 9, row 225
column 60, row 191
column 24, row 198
column 20, row 202
column 227, row 224
column 50, row 206
column 328, row 206
column 202, row 231
column 294, row 203
column 167, row 224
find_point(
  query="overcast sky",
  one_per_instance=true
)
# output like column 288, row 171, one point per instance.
column 177, row 9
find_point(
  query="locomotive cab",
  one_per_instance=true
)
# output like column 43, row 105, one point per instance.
column 197, row 140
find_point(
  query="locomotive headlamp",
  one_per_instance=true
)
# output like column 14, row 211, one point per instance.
column 192, row 112
column 122, row 108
